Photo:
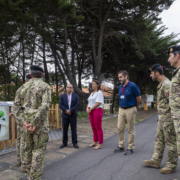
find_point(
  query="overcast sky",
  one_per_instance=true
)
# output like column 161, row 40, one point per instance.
column 171, row 18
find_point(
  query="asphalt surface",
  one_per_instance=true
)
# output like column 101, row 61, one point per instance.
column 104, row 164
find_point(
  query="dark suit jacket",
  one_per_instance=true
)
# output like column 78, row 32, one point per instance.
column 63, row 104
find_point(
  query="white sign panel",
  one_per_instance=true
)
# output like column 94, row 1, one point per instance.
column 4, row 123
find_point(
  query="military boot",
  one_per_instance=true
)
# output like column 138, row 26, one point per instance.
column 18, row 164
column 167, row 170
column 23, row 170
column 151, row 163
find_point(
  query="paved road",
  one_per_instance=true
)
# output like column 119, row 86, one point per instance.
column 104, row 164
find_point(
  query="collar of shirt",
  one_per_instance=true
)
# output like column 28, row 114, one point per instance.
column 69, row 103
column 122, row 86
column 70, row 95
column 160, row 84
column 174, row 73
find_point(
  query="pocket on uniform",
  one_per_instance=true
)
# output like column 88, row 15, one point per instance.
column 169, row 127
column 42, row 140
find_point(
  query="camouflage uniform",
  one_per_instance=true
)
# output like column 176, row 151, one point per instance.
column 19, row 142
column 33, row 105
column 174, row 101
column 165, row 130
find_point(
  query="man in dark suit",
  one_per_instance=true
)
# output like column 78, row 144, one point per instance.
column 69, row 103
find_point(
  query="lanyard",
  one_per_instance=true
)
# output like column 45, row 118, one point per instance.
column 122, row 89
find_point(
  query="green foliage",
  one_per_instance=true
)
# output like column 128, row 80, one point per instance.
column 82, row 114
column 137, row 121
column 137, row 54
column 2, row 115
column 55, row 97
column 8, row 92
column 60, row 34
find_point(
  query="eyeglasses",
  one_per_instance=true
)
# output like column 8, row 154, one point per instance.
column 69, row 87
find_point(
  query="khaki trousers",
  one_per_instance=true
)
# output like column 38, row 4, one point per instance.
column 127, row 116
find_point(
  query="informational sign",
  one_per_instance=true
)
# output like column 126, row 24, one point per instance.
column 4, row 123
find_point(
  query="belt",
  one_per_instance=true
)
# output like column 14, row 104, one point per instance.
column 127, row 107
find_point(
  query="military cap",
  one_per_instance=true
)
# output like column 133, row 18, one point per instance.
column 28, row 76
column 173, row 49
column 156, row 67
column 36, row 68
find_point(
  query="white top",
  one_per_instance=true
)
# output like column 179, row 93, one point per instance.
column 69, row 103
column 97, row 97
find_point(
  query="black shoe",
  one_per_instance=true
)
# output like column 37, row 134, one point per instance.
column 119, row 149
column 76, row 146
column 63, row 145
column 128, row 152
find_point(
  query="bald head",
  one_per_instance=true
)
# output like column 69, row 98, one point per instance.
column 69, row 88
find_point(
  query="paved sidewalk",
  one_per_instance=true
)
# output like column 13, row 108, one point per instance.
column 104, row 164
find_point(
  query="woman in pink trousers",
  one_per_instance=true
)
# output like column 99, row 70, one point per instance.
column 94, row 109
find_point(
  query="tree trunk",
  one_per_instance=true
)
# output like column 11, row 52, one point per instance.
column 58, row 65
column 44, row 61
column 23, row 58
column 32, row 59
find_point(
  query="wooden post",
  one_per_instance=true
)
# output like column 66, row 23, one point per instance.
column 2, row 145
column 52, row 117
column 60, row 124
column 156, row 104
column 49, row 116
column 13, row 131
column 145, row 106
column 57, row 115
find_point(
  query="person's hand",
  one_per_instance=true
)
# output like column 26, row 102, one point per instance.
column 68, row 112
column 88, row 110
column 11, row 115
column 31, row 128
column 25, row 125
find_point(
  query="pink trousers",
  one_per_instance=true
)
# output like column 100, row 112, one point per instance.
column 96, row 123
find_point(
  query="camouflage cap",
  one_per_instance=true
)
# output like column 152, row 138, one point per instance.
column 173, row 49
column 155, row 67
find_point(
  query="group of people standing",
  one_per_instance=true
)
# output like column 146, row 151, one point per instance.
column 68, row 104
column 33, row 99
column 168, row 99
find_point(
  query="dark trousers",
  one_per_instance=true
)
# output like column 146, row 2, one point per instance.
column 73, row 123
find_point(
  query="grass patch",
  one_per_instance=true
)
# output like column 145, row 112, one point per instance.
column 137, row 121
column 82, row 114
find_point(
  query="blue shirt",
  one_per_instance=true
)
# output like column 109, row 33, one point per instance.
column 131, row 91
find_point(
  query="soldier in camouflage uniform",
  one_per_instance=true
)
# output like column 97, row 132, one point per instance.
column 20, row 143
column 174, row 99
column 31, row 111
column 165, row 130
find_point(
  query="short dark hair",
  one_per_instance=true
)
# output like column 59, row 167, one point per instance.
column 177, row 52
column 160, row 70
column 36, row 74
column 98, row 83
column 124, row 73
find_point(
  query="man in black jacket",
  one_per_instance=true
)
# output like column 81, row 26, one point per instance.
column 69, row 103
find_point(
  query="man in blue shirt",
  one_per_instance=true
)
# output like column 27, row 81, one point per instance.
column 129, row 100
